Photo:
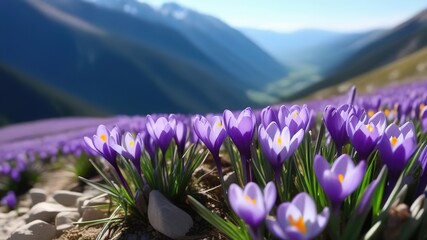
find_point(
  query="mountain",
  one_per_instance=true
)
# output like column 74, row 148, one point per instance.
column 392, row 45
column 409, row 68
column 124, row 63
column 310, row 47
column 225, row 46
column 24, row 99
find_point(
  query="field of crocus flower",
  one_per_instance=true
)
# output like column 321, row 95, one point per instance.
column 349, row 167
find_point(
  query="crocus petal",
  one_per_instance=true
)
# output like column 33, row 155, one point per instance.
column 275, row 228
column 270, row 195
column 304, row 202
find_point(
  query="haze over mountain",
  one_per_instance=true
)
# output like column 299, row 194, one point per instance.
column 392, row 45
column 311, row 47
column 132, row 64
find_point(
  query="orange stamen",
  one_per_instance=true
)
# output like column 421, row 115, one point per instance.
column 299, row 224
column 251, row 200
column 103, row 138
column 386, row 112
column 369, row 127
column 341, row 178
column 393, row 141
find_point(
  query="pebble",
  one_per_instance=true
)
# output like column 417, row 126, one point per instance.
column 37, row 195
column 92, row 213
column 65, row 220
column 166, row 217
column 47, row 211
column 84, row 202
column 36, row 229
column 66, row 198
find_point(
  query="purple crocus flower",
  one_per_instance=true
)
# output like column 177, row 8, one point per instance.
column 251, row 204
column 423, row 118
column 364, row 135
column 295, row 118
column 298, row 219
column 241, row 129
column 422, row 161
column 341, row 179
column 396, row 147
column 278, row 144
column 131, row 148
column 102, row 144
column 212, row 133
column 268, row 115
column 149, row 144
column 241, row 132
column 9, row 200
column 181, row 133
column 335, row 120
column 102, row 141
column 161, row 131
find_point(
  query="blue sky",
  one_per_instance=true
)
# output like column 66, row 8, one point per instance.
column 291, row 15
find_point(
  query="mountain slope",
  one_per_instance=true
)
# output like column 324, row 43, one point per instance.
column 225, row 46
column 409, row 68
column 105, row 69
column 25, row 99
column 392, row 45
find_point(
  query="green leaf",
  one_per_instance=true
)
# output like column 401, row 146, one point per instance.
column 227, row 228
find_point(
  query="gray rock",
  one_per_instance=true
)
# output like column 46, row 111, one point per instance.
column 66, row 198
column 37, row 229
column 93, row 213
column 47, row 211
column 84, row 202
column 22, row 210
column 37, row 195
column 65, row 220
column 166, row 217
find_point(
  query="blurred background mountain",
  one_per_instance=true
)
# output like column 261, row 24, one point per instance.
column 100, row 57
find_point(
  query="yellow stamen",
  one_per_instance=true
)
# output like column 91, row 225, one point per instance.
column 371, row 113
column 299, row 224
column 131, row 143
column 422, row 105
column 279, row 140
column 341, row 178
column 103, row 138
column 219, row 124
column 393, row 141
column 251, row 200
column 369, row 127
column 295, row 114
column 386, row 112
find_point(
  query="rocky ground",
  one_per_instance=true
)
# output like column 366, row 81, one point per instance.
column 52, row 208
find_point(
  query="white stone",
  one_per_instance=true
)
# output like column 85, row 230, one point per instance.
column 166, row 217
column 37, row 229
column 37, row 195
column 65, row 220
column 47, row 211
column 66, row 198
column 84, row 202
column 93, row 213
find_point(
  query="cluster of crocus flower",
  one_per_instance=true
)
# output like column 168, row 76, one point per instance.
column 388, row 137
column 294, row 220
